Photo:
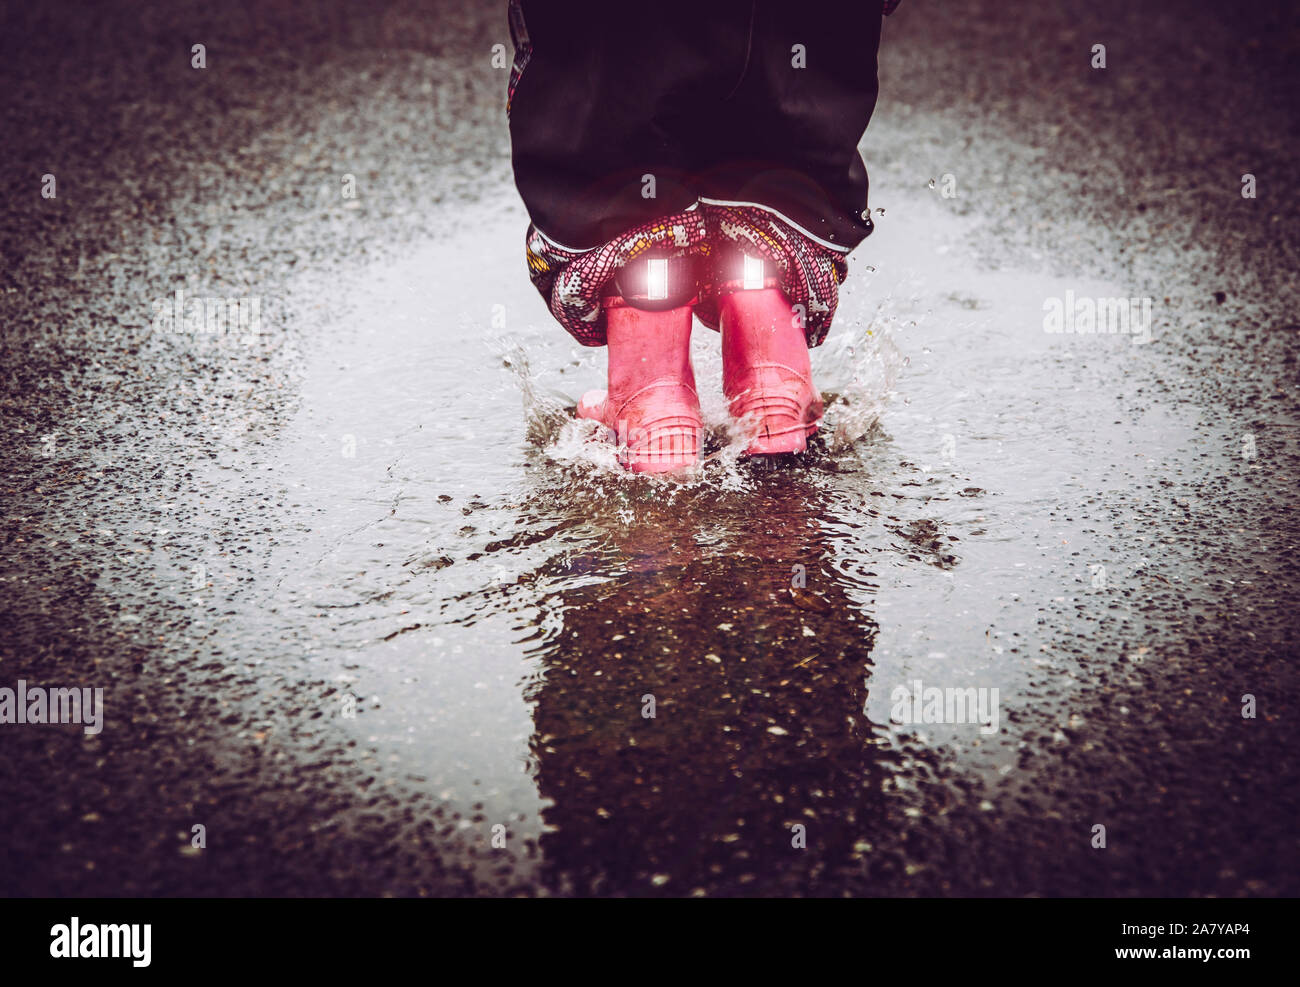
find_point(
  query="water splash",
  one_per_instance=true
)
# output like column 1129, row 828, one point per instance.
column 856, row 370
column 545, row 413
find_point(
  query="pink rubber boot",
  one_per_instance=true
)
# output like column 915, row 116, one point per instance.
column 651, row 404
column 766, row 371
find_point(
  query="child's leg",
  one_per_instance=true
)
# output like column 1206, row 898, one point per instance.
column 650, row 405
column 605, row 126
column 603, row 108
column 789, row 138
column 603, row 116
column 785, row 197
column 766, row 370
column 784, row 179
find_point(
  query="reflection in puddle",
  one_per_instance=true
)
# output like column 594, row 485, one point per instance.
column 699, row 714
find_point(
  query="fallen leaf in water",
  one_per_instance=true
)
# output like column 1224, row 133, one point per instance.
column 805, row 600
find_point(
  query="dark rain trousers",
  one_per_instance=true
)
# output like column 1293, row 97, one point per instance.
column 683, row 127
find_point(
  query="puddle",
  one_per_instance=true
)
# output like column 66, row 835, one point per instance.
column 505, row 604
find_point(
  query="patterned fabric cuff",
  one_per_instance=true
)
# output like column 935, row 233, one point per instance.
column 573, row 281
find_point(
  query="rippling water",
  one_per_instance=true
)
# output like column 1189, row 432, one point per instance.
column 651, row 682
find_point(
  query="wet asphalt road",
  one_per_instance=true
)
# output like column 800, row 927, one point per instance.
column 247, row 541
